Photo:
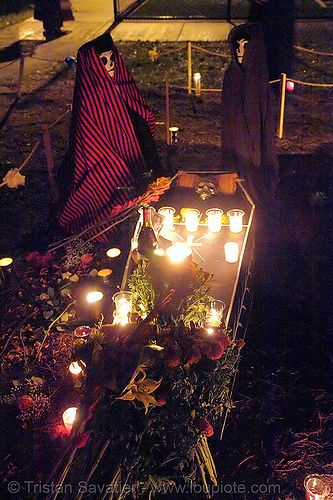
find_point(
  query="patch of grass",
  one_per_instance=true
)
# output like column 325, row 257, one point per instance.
column 16, row 17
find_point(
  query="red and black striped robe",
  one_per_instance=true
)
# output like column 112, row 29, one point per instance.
column 104, row 164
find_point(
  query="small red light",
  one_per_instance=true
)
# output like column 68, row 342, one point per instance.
column 290, row 86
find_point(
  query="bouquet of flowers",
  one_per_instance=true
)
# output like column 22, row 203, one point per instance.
column 153, row 389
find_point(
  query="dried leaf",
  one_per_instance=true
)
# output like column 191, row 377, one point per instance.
column 13, row 178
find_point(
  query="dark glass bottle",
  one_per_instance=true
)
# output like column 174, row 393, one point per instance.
column 147, row 239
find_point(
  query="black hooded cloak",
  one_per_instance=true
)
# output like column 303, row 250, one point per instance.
column 247, row 125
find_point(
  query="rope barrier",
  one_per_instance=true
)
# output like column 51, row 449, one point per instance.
column 7, row 64
column 210, row 52
column 177, row 87
column 310, row 84
column 311, row 51
column 49, row 60
column 170, row 51
column 34, row 149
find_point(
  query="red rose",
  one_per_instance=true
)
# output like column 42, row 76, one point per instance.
column 224, row 340
column 82, row 439
column 172, row 355
column 214, row 348
column 204, row 427
column 45, row 260
column 39, row 260
column 32, row 257
column 161, row 399
column 86, row 258
column 58, row 430
column 193, row 355
column 24, row 402
column 240, row 343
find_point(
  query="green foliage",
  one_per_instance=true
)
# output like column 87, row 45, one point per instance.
column 193, row 309
column 141, row 286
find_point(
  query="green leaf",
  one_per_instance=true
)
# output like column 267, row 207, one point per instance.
column 47, row 314
column 64, row 317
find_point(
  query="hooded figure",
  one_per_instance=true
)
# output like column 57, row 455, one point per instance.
column 247, row 125
column 111, row 146
column 49, row 11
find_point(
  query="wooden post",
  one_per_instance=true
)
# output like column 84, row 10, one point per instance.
column 282, row 103
column 20, row 77
column 189, row 67
column 167, row 105
column 50, row 164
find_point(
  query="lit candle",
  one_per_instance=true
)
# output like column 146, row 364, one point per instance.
column 5, row 269
column 68, row 418
column 191, row 219
column 93, row 297
column 105, row 274
column 6, row 261
column 167, row 212
column 317, row 486
column 76, row 367
column 113, row 252
column 173, row 134
column 123, row 301
column 215, row 313
column 235, row 220
column 197, row 82
column 179, row 251
column 82, row 331
column 214, row 219
column 231, row 251
column 290, row 86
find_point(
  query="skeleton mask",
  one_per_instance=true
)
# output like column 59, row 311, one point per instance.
column 107, row 59
column 241, row 49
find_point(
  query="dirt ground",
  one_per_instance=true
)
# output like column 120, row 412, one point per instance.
column 280, row 429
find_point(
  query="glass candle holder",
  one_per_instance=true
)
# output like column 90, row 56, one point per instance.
column 191, row 216
column 113, row 252
column 235, row 220
column 68, row 418
column 214, row 219
column 94, row 296
column 214, row 314
column 168, row 213
column 179, row 251
column 75, row 367
column 105, row 274
column 231, row 251
column 317, row 487
column 6, row 261
column 6, row 269
column 123, row 301
column 82, row 331
column 197, row 83
column 173, row 131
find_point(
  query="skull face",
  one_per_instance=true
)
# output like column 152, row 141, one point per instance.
column 108, row 59
column 241, row 49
